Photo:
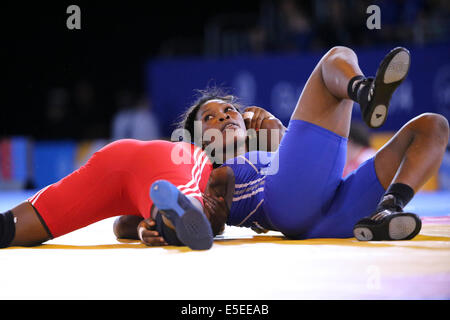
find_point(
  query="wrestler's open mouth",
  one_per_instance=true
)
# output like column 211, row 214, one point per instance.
column 230, row 125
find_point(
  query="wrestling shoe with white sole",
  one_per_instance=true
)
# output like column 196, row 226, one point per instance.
column 191, row 225
column 388, row 225
column 376, row 93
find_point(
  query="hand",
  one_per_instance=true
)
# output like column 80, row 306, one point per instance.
column 254, row 116
column 217, row 211
column 148, row 235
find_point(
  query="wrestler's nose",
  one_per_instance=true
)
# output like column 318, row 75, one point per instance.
column 224, row 117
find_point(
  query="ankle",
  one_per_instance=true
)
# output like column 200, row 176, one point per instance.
column 397, row 196
column 353, row 87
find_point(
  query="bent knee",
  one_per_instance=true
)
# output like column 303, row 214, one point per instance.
column 338, row 51
column 433, row 124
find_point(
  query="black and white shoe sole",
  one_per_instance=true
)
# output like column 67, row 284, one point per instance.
column 390, row 74
column 399, row 226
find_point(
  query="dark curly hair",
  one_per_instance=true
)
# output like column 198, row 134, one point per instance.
column 189, row 116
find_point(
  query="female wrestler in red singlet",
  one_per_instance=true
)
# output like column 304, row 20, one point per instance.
column 115, row 181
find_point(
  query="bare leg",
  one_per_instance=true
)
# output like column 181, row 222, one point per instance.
column 29, row 229
column 324, row 100
column 415, row 153
column 403, row 165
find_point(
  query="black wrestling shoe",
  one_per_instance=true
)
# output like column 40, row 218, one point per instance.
column 388, row 225
column 375, row 93
column 192, row 228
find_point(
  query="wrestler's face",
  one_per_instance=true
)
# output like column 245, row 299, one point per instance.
column 224, row 117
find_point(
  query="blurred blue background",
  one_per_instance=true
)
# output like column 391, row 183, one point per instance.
column 276, row 81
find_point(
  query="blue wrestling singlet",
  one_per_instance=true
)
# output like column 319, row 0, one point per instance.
column 299, row 190
column 246, row 209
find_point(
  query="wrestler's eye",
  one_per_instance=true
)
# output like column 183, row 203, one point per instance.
column 229, row 109
column 207, row 118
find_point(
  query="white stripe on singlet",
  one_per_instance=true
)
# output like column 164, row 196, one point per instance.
column 191, row 188
column 248, row 195
column 250, row 214
column 37, row 195
column 243, row 185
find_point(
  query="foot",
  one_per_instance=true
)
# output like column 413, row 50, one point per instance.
column 375, row 93
column 191, row 225
column 388, row 225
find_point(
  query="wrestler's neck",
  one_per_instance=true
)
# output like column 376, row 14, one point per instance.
column 234, row 150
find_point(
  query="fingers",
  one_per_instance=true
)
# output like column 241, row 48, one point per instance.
column 213, row 206
column 217, row 209
column 148, row 235
column 258, row 122
column 154, row 241
column 248, row 115
column 247, row 118
column 213, row 202
column 152, row 238
column 254, row 116
column 208, row 198
column 257, row 118
column 208, row 204
column 150, row 224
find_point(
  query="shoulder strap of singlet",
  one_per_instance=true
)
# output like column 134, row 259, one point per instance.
column 250, row 163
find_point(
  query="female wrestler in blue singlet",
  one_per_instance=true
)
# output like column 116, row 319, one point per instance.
column 301, row 191
column 328, row 207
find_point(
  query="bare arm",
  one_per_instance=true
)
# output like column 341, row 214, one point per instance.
column 275, row 131
column 267, row 126
column 218, row 197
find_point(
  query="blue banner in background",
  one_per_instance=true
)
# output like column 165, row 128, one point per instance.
column 15, row 162
column 275, row 83
column 53, row 160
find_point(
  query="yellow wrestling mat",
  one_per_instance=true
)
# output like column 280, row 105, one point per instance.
column 91, row 264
